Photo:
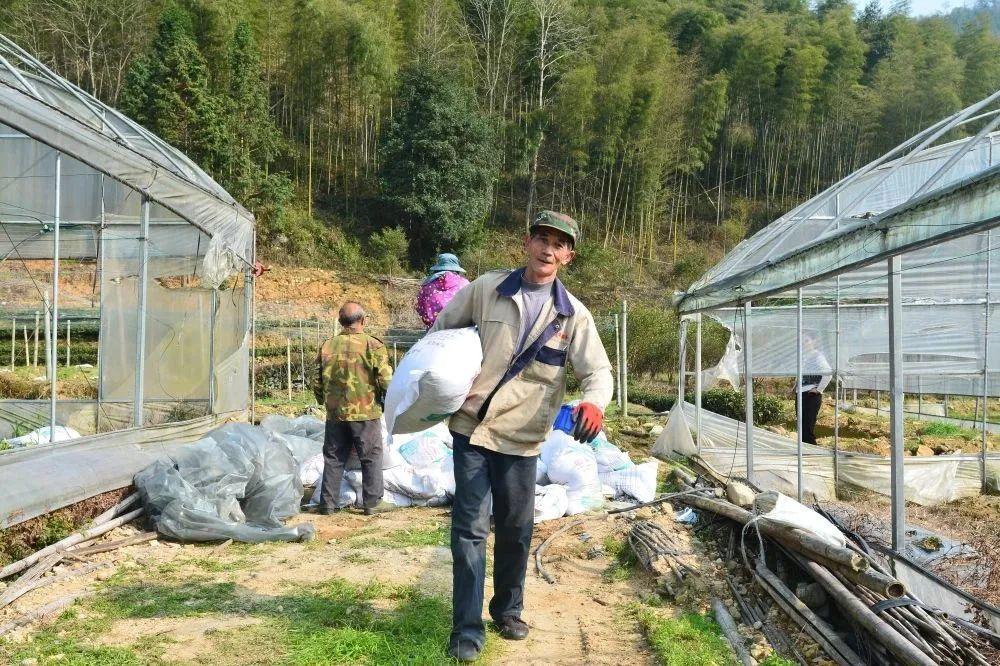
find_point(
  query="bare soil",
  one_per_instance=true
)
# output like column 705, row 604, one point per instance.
column 580, row 619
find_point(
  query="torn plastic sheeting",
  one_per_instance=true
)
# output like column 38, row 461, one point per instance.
column 240, row 482
column 81, row 468
column 928, row 480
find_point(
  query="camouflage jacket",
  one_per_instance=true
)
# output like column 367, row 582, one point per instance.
column 352, row 375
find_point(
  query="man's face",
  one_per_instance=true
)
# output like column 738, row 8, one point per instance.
column 547, row 251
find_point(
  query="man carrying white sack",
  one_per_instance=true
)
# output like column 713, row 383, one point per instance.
column 530, row 327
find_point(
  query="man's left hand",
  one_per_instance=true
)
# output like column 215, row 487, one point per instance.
column 589, row 420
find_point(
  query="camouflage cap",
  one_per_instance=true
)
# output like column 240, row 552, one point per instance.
column 558, row 221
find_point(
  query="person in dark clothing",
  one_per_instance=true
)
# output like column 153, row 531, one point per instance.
column 816, row 376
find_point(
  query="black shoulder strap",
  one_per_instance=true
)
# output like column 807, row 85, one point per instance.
column 522, row 360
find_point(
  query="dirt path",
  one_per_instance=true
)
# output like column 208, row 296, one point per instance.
column 171, row 604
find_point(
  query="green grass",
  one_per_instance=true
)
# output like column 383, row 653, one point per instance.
column 623, row 560
column 688, row 640
column 334, row 622
column 431, row 535
column 936, row 429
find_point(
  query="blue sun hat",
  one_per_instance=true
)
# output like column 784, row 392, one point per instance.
column 446, row 261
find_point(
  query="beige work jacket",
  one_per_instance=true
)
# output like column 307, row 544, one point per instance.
column 521, row 412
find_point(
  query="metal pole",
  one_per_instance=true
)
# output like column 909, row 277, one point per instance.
column 946, row 404
column 697, row 381
column 140, row 338
column 53, row 352
column 748, row 386
column 13, row 341
column 618, row 363
column 27, row 349
column 288, row 348
column 798, row 400
column 47, row 304
column 395, row 356
column 34, row 363
column 896, row 403
column 250, row 296
column 681, row 359
column 986, row 356
column 100, row 311
column 920, row 394
column 213, row 307
column 625, row 358
column 69, row 341
column 836, row 396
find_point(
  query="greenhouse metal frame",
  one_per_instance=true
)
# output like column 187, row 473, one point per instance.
column 884, row 280
column 171, row 257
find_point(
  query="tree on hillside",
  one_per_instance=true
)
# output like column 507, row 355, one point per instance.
column 438, row 167
column 252, row 139
column 980, row 49
column 167, row 90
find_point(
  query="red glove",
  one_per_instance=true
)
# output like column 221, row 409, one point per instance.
column 589, row 421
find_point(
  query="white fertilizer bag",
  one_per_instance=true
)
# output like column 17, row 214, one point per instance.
column 432, row 380
column 790, row 513
column 637, row 482
column 311, row 470
column 551, row 502
column 426, row 448
column 609, row 457
column 576, row 468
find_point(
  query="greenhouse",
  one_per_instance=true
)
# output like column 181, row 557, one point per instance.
column 885, row 281
column 123, row 303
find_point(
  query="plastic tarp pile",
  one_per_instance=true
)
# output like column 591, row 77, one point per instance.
column 927, row 479
column 240, row 482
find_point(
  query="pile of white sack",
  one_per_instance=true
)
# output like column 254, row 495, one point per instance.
column 418, row 469
column 574, row 478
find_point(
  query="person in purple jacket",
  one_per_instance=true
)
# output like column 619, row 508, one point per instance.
column 439, row 287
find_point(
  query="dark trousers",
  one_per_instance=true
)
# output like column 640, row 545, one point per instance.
column 511, row 479
column 365, row 437
column 811, row 402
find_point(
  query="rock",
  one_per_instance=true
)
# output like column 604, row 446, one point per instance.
column 924, row 450
column 812, row 595
column 644, row 513
column 104, row 574
column 656, row 431
column 30, row 661
column 740, row 494
column 3, row 586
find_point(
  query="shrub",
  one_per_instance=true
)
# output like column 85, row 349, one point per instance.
column 655, row 400
column 389, row 246
column 767, row 409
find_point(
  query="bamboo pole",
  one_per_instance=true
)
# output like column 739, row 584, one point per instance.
column 40, row 613
column 815, row 626
column 27, row 350
column 68, row 341
column 288, row 349
column 13, row 341
column 904, row 650
column 71, row 540
column 34, row 362
column 732, row 634
column 797, row 540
